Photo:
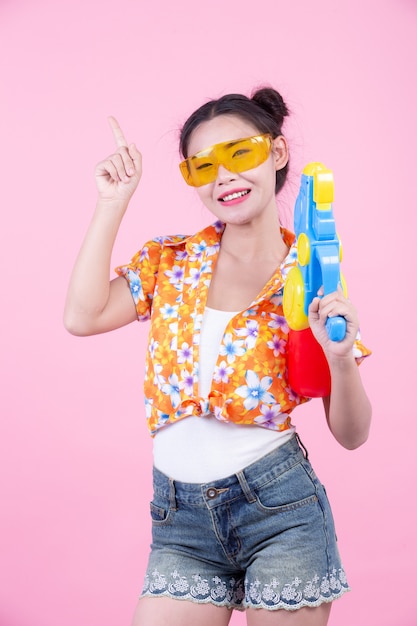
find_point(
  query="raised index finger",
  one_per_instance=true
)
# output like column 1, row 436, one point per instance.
column 118, row 135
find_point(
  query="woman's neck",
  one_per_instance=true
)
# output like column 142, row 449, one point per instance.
column 248, row 242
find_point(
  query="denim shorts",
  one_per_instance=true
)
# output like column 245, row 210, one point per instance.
column 261, row 538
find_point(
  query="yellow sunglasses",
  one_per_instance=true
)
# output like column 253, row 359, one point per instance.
column 236, row 156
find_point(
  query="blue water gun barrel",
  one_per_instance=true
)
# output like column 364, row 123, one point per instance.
column 319, row 256
column 319, row 251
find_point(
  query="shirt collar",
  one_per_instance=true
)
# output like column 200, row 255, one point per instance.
column 212, row 235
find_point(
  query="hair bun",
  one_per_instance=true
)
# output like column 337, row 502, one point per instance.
column 272, row 102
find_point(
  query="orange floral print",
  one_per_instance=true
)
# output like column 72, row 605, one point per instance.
column 169, row 280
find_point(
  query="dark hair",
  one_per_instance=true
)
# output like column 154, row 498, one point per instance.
column 266, row 110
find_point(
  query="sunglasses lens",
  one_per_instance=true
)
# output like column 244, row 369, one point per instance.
column 200, row 169
column 246, row 154
column 236, row 156
column 203, row 169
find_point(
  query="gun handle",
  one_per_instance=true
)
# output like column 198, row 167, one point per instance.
column 336, row 328
column 308, row 370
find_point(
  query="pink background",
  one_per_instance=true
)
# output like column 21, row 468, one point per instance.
column 75, row 455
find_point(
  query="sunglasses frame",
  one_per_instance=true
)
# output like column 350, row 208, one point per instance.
column 190, row 174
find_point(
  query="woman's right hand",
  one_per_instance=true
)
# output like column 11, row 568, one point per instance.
column 118, row 176
column 94, row 304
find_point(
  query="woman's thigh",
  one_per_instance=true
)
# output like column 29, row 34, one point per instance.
column 169, row 612
column 317, row 616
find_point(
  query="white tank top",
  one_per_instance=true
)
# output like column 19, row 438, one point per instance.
column 203, row 449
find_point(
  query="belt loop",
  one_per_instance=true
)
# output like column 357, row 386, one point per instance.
column 300, row 443
column 172, row 498
column 245, row 487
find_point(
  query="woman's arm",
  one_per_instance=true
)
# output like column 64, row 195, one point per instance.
column 348, row 409
column 94, row 303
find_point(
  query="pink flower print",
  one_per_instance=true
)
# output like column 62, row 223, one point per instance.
column 277, row 345
column 222, row 372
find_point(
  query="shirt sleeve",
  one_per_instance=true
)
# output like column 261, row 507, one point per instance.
column 141, row 274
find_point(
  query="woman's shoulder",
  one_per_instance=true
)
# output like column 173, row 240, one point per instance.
column 167, row 240
column 207, row 236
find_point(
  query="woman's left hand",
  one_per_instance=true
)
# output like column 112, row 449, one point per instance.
column 330, row 306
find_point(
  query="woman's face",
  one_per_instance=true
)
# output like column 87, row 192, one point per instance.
column 245, row 197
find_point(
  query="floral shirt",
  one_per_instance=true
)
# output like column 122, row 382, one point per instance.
column 169, row 279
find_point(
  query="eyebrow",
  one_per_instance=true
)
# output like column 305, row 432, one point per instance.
column 233, row 143
column 229, row 144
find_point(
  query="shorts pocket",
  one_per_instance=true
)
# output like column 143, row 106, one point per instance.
column 160, row 512
column 290, row 490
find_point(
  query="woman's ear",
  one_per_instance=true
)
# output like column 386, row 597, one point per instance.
column 280, row 152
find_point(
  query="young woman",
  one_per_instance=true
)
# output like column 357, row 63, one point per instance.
column 240, row 520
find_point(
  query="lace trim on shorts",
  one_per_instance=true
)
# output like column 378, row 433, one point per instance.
column 274, row 595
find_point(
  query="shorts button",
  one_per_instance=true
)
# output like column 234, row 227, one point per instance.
column 212, row 493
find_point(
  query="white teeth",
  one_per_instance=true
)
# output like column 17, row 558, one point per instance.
column 233, row 196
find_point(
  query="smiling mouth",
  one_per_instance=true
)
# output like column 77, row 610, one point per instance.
column 234, row 196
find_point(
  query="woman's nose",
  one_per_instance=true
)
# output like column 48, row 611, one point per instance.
column 224, row 175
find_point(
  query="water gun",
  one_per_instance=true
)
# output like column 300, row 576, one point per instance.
column 319, row 257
